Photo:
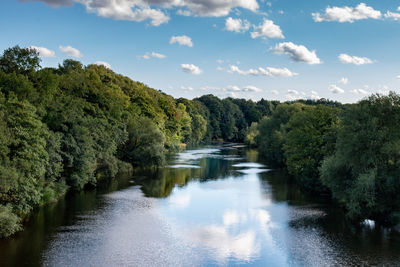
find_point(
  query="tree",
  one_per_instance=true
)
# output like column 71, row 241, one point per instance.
column 145, row 145
column 20, row 60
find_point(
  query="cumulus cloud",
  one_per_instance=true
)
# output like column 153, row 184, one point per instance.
column 251, row 88
column 298, row 53
column 347, row 59
column 103, row 63
column 212, row 8
column 344, row 80
column 182, row 40
column 268, row 71
column 43, row 51
column 236, row 25
column 314, row 95
column 53, row 3
column 335, row 89
column 359, row 92
column 192, row 69
column 126, row 10
column 392, row 15
column 292, row 94
column 347, row 14
column 154, row 10
column 70, row 51
column 152, row 55
column 267, row 30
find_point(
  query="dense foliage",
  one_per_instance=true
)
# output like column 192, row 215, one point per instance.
column 364, row 172
column 350, row 152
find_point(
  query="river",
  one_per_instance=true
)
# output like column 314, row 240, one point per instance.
column 211, row 206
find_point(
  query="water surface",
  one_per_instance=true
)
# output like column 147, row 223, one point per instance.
column 211, row 206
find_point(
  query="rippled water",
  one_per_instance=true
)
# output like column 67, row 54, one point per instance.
column 209, row 206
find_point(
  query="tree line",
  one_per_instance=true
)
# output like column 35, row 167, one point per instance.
column 350, row 153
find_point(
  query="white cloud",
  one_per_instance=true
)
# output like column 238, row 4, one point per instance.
column 70, row 51
column 251, row 88
column 236, row 25
column 152, row 54
column 267, row 29
column 335, row 89
column 43, row 51
column 347, row 14
column 192, row 69
column 298, row 53
column 359, row 92
column 344, row 80
column 347, row 59
column 186, row 88
column 268, row 71
column 154, row 10
column 314, row 95
column 103, row 63
column 232, row 88
column 185, row 13
column 398, row 77
column 213, row 8
column 126, row 10
column 292, row 94
column 182, row 40
column 275, row 92
column 392, row 15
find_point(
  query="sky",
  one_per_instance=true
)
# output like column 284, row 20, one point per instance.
column 253, row 49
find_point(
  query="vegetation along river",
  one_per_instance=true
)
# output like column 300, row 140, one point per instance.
column 214, row 205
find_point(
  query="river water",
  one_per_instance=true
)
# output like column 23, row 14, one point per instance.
column 212, row 206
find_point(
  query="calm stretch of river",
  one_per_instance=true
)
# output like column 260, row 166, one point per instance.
column 211, row 206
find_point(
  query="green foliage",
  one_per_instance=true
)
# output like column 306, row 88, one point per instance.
column 19, row 60
column 272, row 132
column 26, row 158
column 9, row 222
column 310, row 136
column 251, row 135
column 363, row 173
column 145, row 145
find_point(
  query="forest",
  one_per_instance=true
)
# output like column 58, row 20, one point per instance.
column 74, row 126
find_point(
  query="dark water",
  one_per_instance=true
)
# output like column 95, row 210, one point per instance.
column 210, row 206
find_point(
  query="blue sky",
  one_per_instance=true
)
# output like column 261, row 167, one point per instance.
column 341, row 50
